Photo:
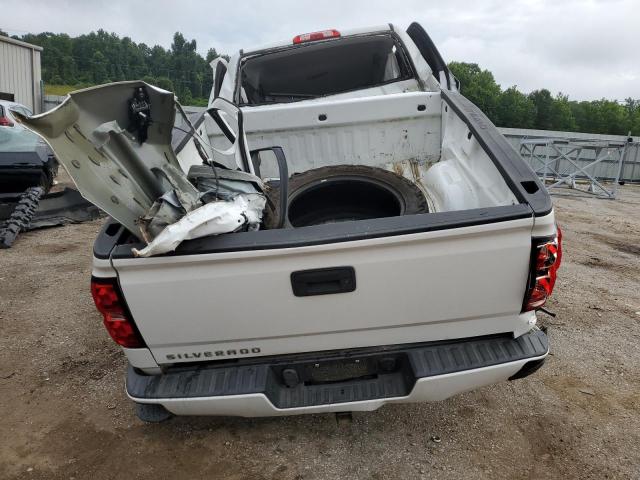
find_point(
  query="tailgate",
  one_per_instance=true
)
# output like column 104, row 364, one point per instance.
column 435, row 285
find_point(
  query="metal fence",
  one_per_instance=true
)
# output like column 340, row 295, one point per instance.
column 579, row 156
column 561, row 163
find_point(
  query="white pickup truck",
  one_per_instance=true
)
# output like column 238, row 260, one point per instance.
column 402, row 258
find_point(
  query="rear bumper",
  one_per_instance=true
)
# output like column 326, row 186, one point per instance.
column 16, row 180
column 420, row 373
column 21, row 170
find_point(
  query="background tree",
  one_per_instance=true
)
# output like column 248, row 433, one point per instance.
column 479, row 86
column 165, row 83
column 561, row 114
column 632, row 108
column 101, row 56
column 212, row 54
column 542, row 110
column 515, row 109
column 543, row 102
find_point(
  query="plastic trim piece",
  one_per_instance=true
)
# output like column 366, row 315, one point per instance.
column 429, row 52
column 320, row 234
column 414, row 362
column 323, row 281
column 108, row 237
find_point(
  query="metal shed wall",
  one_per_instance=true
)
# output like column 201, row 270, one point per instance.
column 20, row 72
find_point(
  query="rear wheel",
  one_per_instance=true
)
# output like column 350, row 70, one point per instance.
column 346, row 192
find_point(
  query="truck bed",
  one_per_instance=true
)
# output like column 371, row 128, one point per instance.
column 427, row 277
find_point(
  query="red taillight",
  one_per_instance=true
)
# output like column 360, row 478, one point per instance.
column 314, row 36
column 5, row 122
column 546, row 258
column 108, row 299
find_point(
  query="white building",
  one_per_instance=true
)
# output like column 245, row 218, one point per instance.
column 20, row 74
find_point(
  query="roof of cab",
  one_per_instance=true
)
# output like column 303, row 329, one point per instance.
column 343, row 33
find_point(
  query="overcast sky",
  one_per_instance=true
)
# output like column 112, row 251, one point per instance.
column 587, row 49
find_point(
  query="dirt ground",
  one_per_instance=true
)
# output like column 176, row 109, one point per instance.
column 65, row 414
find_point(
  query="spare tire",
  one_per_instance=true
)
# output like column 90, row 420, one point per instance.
column 345, row 192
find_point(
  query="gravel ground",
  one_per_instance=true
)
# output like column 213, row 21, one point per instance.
column 65, row 414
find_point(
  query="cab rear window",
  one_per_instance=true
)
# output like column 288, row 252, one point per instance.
column 323, row 68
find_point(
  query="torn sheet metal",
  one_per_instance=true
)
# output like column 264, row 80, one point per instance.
column 113, row 166
column 115, row 142
column 223, row 216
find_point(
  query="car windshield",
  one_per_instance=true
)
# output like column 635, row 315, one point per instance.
column 324, row 68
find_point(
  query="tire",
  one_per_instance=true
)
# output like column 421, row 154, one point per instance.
column 21, row 216
column 344, row 193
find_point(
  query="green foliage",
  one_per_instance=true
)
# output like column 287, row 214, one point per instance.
column 516, row 108
column 552, row 113
column 101, row 57
column 57, row 89
column 70, row 63
column 605, row 116
column 165, row 83
column 479, row 86
column 543, row 102
column 633, row 113
column 541, row 110
column 561, row 114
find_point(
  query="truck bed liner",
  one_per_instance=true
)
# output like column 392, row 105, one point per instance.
column 523, row 182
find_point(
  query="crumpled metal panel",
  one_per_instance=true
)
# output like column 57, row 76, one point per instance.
column 88, row 132
column 214, row 218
